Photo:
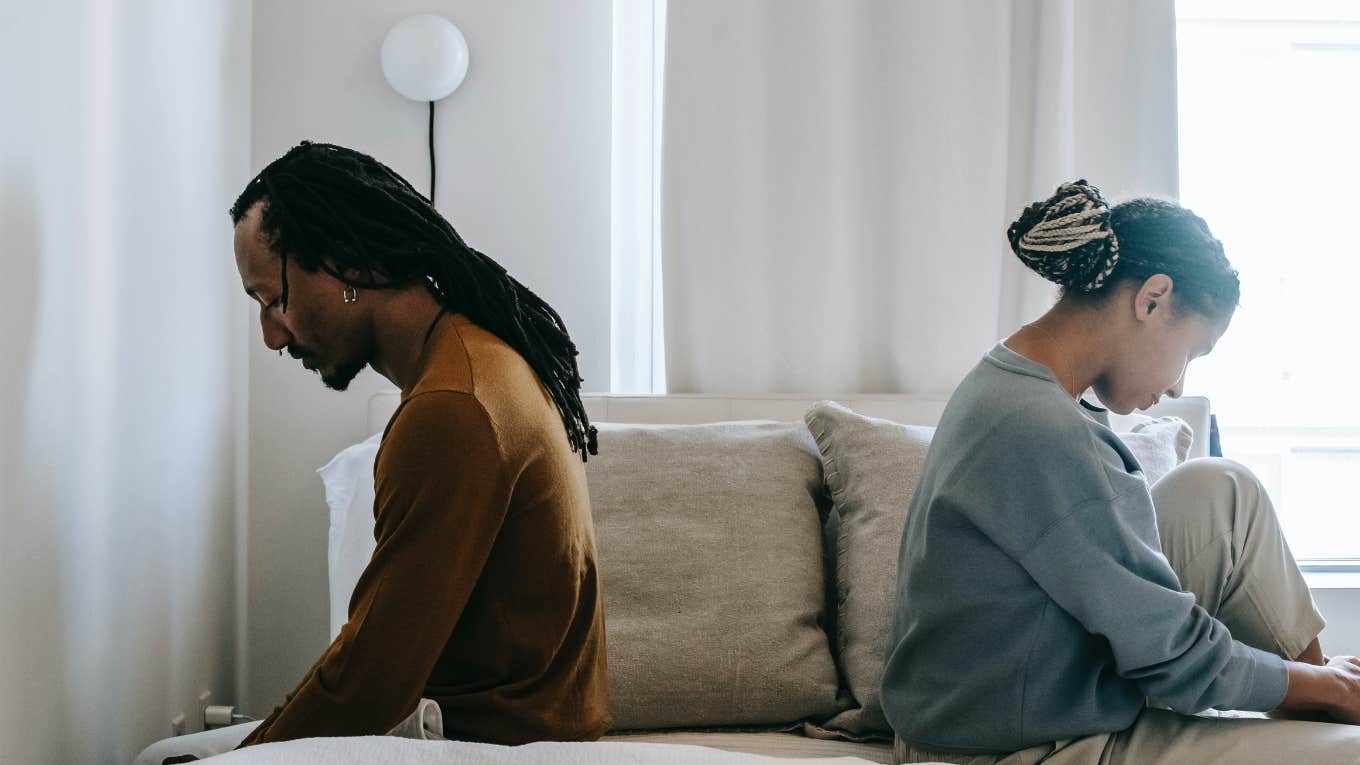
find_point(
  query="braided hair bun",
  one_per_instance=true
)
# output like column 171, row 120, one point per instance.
column 1067, row 238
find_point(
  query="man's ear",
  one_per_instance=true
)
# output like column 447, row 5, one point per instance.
column 1153, row 297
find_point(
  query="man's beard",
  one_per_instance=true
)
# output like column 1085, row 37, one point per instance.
column 342, row 376
column 336, row 380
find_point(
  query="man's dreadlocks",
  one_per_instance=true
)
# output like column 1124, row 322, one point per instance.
column 343, row 212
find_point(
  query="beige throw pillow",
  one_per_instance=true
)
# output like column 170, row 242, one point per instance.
column 711, row 562
column 872, row 467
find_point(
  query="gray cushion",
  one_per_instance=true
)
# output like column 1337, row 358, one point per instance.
column 872, row 468
column 710, row 558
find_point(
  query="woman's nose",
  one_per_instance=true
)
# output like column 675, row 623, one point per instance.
column 1176, row 390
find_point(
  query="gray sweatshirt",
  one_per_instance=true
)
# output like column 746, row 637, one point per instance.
column 1033, row 600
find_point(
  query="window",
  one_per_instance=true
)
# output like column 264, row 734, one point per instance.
column 1270, row 156
column 637, row 356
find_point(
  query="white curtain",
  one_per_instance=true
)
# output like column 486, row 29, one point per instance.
column 125, row 132
column 838, row 175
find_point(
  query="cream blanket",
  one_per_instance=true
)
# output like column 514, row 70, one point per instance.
column 385, row 750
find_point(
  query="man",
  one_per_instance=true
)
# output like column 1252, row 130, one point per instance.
column 483, row 593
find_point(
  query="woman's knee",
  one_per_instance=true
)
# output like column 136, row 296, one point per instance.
column 1207, row 479
column 1211, row 495
column 1204, row 471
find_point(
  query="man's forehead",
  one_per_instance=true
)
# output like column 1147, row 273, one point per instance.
column 254, row 259
column 247, row 231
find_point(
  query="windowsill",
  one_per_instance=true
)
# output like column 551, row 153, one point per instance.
column 1333, row 580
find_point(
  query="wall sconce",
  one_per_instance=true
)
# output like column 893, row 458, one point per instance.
column 425, row 58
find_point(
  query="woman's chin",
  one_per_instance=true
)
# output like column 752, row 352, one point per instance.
column 1123, row 408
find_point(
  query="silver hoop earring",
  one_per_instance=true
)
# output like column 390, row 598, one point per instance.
column 351, row 294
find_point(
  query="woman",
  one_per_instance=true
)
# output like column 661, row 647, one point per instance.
column 1046, row 597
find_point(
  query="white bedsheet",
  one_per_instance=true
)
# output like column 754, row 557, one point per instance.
column 385, row 750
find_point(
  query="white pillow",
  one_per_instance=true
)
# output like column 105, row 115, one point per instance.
column 1158, row 443
column 348, row 479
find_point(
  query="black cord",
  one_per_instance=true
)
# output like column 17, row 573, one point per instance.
column 431, row 152
column 442, row 310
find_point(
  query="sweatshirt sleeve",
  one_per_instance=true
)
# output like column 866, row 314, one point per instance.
column 442, row 494
column 1119, row 587
column 1089, row 539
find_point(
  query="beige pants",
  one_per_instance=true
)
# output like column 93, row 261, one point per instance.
column 1220, row 534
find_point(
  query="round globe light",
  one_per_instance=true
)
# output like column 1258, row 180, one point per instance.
column 424, row 57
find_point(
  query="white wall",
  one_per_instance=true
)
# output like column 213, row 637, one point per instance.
column 1341, row 607
column 523, row 151
column 125, row 131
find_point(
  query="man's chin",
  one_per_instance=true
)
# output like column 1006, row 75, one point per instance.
column 341, row 377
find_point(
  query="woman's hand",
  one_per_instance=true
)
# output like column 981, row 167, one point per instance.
column 1346, row 708
column 1333, row 689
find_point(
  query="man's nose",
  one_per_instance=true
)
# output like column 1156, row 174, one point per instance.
column 276, row 336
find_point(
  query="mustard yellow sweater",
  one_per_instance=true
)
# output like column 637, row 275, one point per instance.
column 483, row 592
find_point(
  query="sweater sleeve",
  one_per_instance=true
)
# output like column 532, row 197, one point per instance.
column 442, row 494
column 1086, row 532
column 1122, row 588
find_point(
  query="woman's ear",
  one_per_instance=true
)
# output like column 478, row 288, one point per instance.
column 1153, row 297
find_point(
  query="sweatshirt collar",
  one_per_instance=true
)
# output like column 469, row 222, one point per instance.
column 1002, row 356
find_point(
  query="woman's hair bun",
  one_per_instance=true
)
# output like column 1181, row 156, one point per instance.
column 1067, row 238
